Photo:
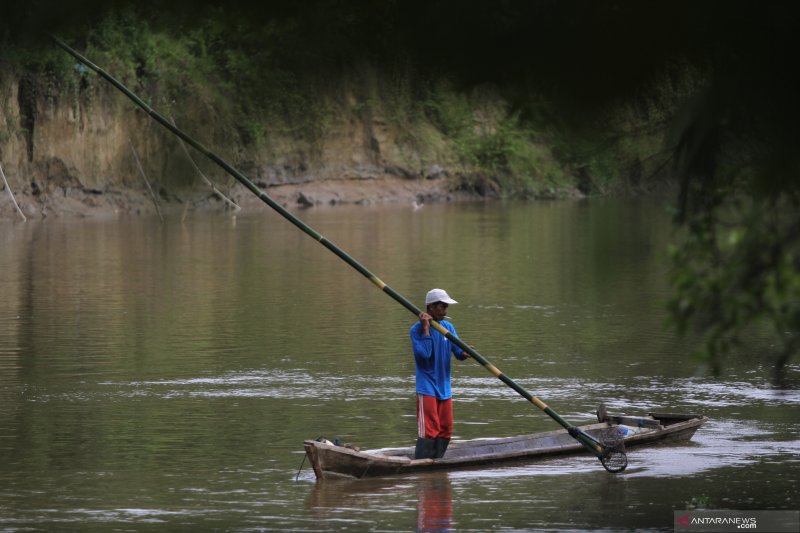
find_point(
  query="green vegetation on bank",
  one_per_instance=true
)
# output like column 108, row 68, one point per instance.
column 265, row 94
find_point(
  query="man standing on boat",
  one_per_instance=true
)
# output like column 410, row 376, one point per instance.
column 432, row 355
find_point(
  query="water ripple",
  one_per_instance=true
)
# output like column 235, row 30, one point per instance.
column 642, row 393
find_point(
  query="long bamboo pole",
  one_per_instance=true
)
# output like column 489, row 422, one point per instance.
column 613, row 460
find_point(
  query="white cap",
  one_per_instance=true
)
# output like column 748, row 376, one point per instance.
column 438, row 295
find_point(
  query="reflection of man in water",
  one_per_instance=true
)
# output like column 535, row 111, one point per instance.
column 432, row 353
column 434, row 505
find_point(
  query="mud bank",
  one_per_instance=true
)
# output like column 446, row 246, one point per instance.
column 80, row 202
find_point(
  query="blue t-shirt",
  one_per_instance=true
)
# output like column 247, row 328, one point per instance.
column 432, row 358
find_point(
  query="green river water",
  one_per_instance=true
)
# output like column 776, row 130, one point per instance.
column 164, row 376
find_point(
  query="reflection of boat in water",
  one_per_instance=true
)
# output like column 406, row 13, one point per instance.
column 345, row 498
column 330, row 460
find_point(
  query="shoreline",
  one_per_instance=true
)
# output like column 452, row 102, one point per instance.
column 76, row 202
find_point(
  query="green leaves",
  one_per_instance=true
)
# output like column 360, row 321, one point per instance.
column 735, row 271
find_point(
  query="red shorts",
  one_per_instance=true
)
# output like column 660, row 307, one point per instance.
column 434, row 417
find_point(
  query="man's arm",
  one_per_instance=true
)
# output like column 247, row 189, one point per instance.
column 457, row 352
column 421, row 340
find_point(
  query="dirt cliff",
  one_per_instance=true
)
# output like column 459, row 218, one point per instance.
column 73, row 152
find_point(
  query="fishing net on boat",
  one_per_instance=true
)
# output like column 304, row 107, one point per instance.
column 614, row 458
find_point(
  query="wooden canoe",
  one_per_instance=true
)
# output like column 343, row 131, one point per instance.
column 330, row 460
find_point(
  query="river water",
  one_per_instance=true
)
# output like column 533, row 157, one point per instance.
column 164, row 376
